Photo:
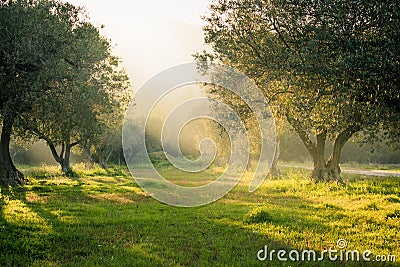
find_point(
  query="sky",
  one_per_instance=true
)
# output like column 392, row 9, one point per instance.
column 150, row 35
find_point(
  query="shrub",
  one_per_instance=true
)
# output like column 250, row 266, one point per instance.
column 258, row 215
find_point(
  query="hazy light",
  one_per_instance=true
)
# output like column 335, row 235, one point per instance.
column 150, row 35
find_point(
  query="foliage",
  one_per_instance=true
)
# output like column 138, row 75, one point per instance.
column 60, row 82
column 91, row 103
column 328, row 67
column 32, row 52
column 258, row 215
column 106, row 147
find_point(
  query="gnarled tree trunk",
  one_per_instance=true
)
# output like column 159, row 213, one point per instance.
column 330, row 171
column 63, row 158
column 325, row 171
column 333, row 165
column 9, row 174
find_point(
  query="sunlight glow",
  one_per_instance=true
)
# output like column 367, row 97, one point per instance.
column 150, row 36
column 18, row 213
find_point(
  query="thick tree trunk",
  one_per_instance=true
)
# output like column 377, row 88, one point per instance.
column 64, row 158
column 325, row 171
column 333, row 165
column 275, row 170
column 9, row 175
column 330, row 171
column 319, row 172
column 66, row 163
column 103, row 163
column 100, row 159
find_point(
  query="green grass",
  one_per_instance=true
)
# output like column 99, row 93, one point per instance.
column 102, row 218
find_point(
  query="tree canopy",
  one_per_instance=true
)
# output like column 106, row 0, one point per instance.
column 58, row 78
column 330, row 68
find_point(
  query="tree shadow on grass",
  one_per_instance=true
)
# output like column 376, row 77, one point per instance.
column 53, row 224
column 21, row 233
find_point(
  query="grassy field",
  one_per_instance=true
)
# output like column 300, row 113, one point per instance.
column 102, row 218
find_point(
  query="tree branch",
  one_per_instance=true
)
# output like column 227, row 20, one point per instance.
column 75, row 144
column 62, row 150
column 311, row 147
column 272, row 98
column 280, row 35
column 341, row 140
column 54, row 153
column 71, row 62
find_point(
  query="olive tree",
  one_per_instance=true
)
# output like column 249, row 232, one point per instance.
column 329, row 68
column 56, row 71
